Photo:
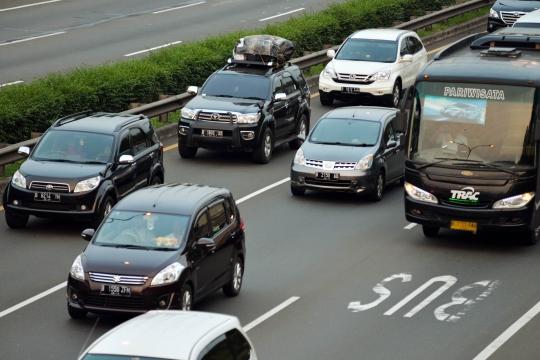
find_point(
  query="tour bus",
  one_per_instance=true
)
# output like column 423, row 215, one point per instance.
column 472, row 134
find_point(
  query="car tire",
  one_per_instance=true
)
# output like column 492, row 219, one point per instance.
column 156, row 181
column 105, row 209
column 76, row 313
column 326, row 99
column 430, row 231
column 301, row 128
column 402, row 181
column 186, row 298
column 263, row 152
column 15, row 221
column 395, row 97
column 232, row 288
column 376, row 195
column 186, row 152
column 530, row 238
column 296, row 191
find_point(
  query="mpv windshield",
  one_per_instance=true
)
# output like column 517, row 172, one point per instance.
column 346, row 132
column 368, row 50
column 489, row 124
column 74, row 146
column 140, row 229
column 237, row 86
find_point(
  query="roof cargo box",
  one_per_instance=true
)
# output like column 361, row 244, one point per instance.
column 264, row 49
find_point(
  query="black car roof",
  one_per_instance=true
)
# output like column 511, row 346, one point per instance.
column 255, row 69
column 181, row 199
column 371, row 113
column 96, row 122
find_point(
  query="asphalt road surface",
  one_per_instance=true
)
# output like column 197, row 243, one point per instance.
column 338, row 277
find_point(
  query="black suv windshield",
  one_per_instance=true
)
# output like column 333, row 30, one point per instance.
column 368, row 50
column 346, row 132
column 74, row 146
column 237, row 86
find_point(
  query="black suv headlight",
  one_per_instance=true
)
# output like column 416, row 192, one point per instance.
column 248, row 118
column 188, row 113
column 87, row 185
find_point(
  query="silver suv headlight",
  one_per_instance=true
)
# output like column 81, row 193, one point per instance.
column 514, row 202
column 419, row 194
column 493, row 13
column 77, row 271
column 87, row 185
column 299, row 158
column 168, row 275
column 19, row 180
column 188, row 113
column 381, row 75
column 365, row 163
column 329, row 72
column 247, row 118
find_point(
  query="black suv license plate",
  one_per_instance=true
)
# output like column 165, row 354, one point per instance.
column 350, row 90
column 212, row 133
column 46, row 196
column 115, row 290
column 326, row 176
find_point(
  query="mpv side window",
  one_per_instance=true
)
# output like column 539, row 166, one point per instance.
column 218, row 217
column 230, row 207
column 388, row 133
column 239, row 345
column 200, row 229
column 288, row 84
column 217, row 350
column 125, row 147
column 138, row 140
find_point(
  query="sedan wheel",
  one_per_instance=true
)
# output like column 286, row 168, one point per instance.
column 232, row 288
column 186, row 301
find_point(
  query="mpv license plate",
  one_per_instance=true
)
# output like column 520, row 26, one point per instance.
column 350, row 90
column 326, row 176
column 212, row 133
column 115, row 290
column 46, row 196
column 463, row 225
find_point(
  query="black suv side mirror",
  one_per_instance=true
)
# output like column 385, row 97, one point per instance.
column 206, row 244
column 126, row 159
column 88, row 234
column 280, row 96
column 24, row 151
column 193, row 90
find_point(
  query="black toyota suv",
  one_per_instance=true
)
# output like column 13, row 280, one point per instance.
column 82, row 165
column 246, row 107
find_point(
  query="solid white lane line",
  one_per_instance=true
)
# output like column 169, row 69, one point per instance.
column 12, row 83
column 23, row 6
column 262, row 190
column 176, row 8
column 32, row 299
column 32, row 38
column 272, row 312
column 155, row 48
column 498, row 342
column 287, row 13
column 410, row 226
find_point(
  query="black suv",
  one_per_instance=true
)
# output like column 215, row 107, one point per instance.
column 82, row 165
column 246, row 107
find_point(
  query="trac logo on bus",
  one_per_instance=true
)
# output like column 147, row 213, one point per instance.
column 467, row 193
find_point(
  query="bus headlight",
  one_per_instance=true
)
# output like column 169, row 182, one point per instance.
column 419, row 194
column 514, row 202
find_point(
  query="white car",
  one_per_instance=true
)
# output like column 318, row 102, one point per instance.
column 529, row 20
column 378, row 63
column 174, row 334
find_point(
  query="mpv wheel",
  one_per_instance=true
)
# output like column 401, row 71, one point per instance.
column 263, row 152
column 186, row 298
column 530, row 238
column 297, row 192
column 187, row 152
column 232, row 288
column 300, row 129
column 14, row 221
column 76, row 313
column 376, row 195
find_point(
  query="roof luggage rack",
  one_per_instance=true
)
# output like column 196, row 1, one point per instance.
column 73, row 117
column 501, row 51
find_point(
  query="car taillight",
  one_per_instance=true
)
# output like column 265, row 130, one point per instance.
column 242, row 226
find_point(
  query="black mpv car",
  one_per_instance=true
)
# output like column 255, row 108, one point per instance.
column 82, row 165
column 246, row 107
column 164, row 247
column 352, row 149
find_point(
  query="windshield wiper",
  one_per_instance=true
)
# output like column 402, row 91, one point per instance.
column 164, row 249
column 58, row 160
column 361, row 145
column 253, row 98
column 443, row 160
column 223, row 95
column 131, row 246
column 94, row 162
column 468, row 162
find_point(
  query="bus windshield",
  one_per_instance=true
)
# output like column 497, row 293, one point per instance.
column 490, row 124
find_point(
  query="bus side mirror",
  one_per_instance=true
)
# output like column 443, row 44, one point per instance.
column 537, row 131
column 400, row 124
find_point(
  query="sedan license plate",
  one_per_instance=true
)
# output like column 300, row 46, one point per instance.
column 115, row 290
column 326, row 176
column 46, row 197
column 463, row 225
column 350, row 90
column 212, row 133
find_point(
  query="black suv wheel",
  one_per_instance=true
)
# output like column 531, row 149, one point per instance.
column 263, row 152
column 301, row 128
column 187, row 152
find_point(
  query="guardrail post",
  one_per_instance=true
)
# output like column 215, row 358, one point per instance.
column 34, row 135
column 164, row 118
column 2, row 168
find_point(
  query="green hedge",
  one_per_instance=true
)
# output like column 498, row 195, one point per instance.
column 113, row 86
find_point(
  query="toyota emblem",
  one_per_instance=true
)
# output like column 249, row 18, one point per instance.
column 214, row 116
column 49, row 187
column 352, row 76
column 117, row 278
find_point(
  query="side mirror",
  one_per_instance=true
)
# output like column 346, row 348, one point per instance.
column 88, row 234
column 24, row 151
column 302, row 137
column 126, row 159
column 406, row 58
column 331, row 53
column 391, row 144
column 206, row 244
column 280, row 96
column 193, row 90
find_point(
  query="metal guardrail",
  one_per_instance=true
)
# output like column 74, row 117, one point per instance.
column 9, row 155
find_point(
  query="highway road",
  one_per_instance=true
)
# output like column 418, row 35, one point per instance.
column 327, row 276
column 38, row 37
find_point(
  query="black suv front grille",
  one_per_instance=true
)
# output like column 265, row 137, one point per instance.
column 217, row 116
column 49, row 187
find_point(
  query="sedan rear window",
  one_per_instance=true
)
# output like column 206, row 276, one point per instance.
column 346, row 132
column 368, row 50
column 245, row 86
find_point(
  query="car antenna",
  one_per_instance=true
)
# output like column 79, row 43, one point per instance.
column 91, row 331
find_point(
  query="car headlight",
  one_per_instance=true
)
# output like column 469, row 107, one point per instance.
column 329, row 72
column 419, row 194
column 77, row 271
column 299, row 158
column 365, row 163
column 247, row 118
column 19, row 180
column 514, row 202
column 168, row 275
column 381, row 75
column 493, row 13
column 87, row 185
column 188, row 113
